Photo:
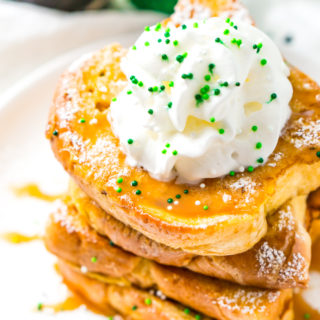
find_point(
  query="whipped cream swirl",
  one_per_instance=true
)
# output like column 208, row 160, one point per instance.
column 204, row 99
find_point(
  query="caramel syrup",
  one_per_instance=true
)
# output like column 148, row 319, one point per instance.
column 18, row 238
column 33, row 190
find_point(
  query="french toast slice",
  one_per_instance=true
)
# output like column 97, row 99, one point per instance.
column 70, row 238
column 133, row 303
column 279, row 260
column 237, row 206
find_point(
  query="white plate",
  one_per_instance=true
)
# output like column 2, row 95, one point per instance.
column 27, row 275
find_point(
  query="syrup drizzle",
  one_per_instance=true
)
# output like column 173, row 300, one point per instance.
column 33, row 190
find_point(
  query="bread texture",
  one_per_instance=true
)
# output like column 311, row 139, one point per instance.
column 260, row 266
column 238, row 206
column 70, row 238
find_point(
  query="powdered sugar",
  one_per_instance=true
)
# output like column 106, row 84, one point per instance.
column 306, row 134
column 295, row 268
column 248, row 301
column 286, row 220
column 270, row 259
column 246, row 185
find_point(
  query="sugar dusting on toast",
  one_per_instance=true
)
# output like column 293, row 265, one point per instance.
column 306, row 134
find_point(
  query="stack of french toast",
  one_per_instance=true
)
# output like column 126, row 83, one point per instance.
column 123, row 249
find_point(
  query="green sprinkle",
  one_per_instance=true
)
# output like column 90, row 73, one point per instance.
column 120, row 180
column 147, row 43
column 134, row 183
column 207, row 77
column 170, row 105
column 150, row 111
column 111, row 243
column 167, row 41
column 237, row 84
column 138, row 192
column 231, row 23
column 184, row 27
column 130, row 141
column 236, row 27
column 212, row 120
column 221, row 131
column 162, row 88
column 185, row 191
column 187, row 76
column 205, row 96
column 170, row 200
column 94, row 259
column 164, row 57
column 148, row 301
column 134, row 48
column 254, row 128
column 147, row 28
column 134, row 308
column 119, row 190
column 175, row 152
column 205, row 89
column 168, row 145
column 150, row 89
column 180, row 58
column 263, row 62
column 114, row 99
column 171, row 84
column 167, row 34
column 273, row 96
column 205, row 207
column 250, row 169
column 40, row 306
column 158, row 27
column 318, row 154
column 186, row 311
column 155, row 89
column 232, row 173
column 258, row 145
column 129, row 92
column 218, row 40
column 197, row 317
column 224, row 84
column 196, row 25
column 178, row 196
column 175, row 42
column 159, row 40
column 226, row 32
column 307, row 316
column 260, row 160
column 164, row 151
column 216, row 92
column 211, row 67
column 140, row 84
column 55, row 132
column 228, row 20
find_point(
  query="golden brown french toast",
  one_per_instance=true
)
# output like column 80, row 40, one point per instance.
column 70, row 238
column 237, row 206
column 130, row 302
column 279, row 260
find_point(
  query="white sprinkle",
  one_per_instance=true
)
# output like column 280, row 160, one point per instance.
column 176, row 202
column 93, row 121
column 202, row 185
column 84, row 269
column 241, row 169
column 197, row 203
column 169, row 207
column 226, row 197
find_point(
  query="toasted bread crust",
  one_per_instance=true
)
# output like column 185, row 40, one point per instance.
column 286, row 235
column 213, row 297
column 92, row 156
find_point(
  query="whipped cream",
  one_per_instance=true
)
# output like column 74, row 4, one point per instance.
column 204, row 99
